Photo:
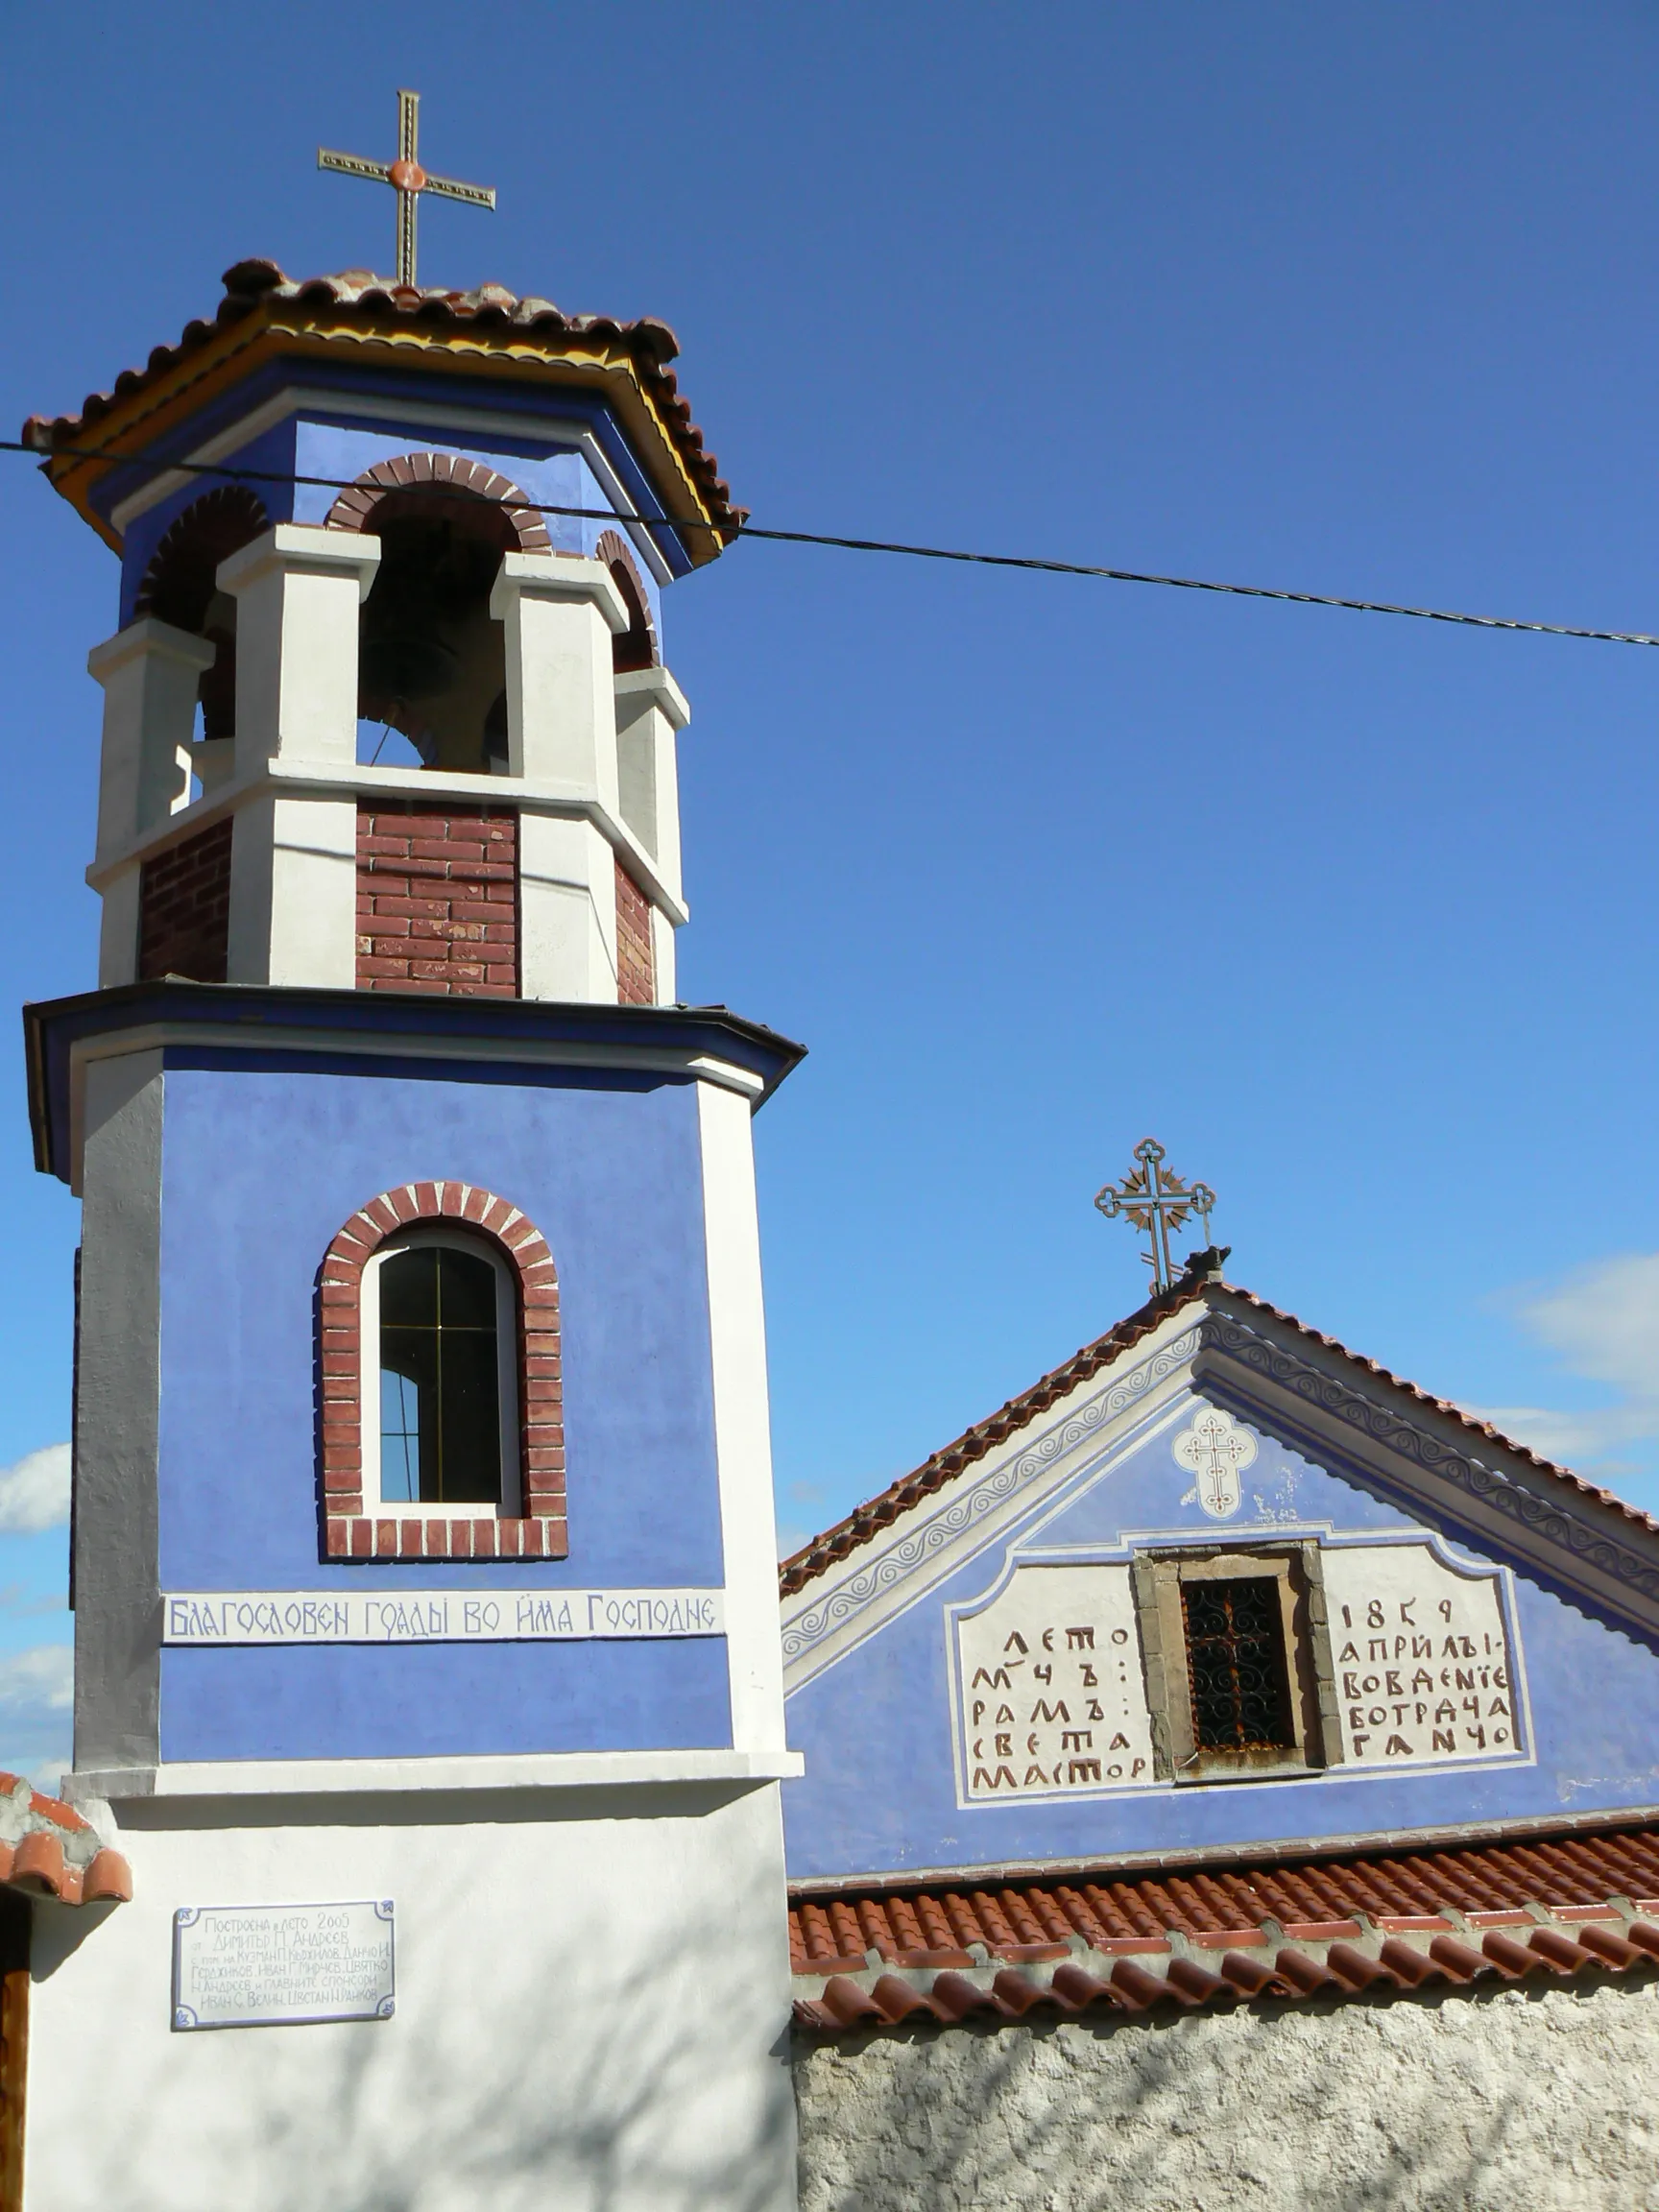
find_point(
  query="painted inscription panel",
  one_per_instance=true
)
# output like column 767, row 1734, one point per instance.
column 282, row 1965
column 1425, row 1670
column 1051, row 1696
column 435, row 1615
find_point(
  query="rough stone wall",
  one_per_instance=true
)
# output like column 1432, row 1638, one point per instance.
column 1462, row 2102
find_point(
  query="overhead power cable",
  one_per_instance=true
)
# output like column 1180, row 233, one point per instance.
column 728, row 531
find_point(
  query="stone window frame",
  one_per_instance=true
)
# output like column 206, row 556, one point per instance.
column 1157, row 1578
column 353, row 1528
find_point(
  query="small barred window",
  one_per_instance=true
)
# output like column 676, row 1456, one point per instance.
column 1236, row 1666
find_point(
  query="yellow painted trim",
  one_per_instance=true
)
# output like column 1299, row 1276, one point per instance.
column 236, row 351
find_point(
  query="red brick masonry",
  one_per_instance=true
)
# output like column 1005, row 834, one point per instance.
column 635, row 959
column 539, row 1531
column 437, row 899
column 184, row 909
column 1122, row 1942
column 355, row 506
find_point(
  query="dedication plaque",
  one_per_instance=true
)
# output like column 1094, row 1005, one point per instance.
column 279, row 1965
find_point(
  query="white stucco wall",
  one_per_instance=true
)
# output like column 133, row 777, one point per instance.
column 593, row 1998
column 1522, row 2097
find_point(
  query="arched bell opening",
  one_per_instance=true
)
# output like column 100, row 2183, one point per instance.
column 635, row 647
column 432, row 662
column 179, row 586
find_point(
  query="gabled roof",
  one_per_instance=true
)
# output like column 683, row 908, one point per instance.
column 867, row 1522
column 489, row 330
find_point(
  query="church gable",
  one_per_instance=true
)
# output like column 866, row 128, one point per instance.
column 1217, row 1551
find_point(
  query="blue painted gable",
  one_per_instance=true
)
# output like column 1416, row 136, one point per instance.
column 991, row 1680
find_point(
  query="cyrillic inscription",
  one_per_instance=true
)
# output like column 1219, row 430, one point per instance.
column 270, row 1965
column 435, row 1615
column 1424, row 1666
column 1051, row 1695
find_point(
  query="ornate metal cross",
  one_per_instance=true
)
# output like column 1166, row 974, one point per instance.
column 407, row 179
column 1157, row 1201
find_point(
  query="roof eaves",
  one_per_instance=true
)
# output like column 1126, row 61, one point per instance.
column 867, row 1521
column 257, row 288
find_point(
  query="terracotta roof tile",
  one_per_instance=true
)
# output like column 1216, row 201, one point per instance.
column 50, row 1849
column 867, row 1521
column 490, row 316
column 1332, row 1927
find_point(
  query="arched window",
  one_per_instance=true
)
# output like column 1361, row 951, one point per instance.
column 440, row 1399
column 432, row 662
column 439, row 1328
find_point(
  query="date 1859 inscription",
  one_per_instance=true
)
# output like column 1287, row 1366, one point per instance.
column 1423, row 1670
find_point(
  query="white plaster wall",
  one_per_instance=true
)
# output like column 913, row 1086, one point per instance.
column 1518, row 2097
column 593, row 1998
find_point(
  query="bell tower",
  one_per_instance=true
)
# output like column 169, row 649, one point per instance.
column 423, row 1554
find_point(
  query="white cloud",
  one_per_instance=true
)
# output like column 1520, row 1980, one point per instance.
column 1601, row 1322
column 34, row 1491
column 36, row 1698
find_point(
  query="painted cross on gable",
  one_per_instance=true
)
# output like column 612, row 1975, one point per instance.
column 1214, row 1449
column 407, row 179
column 1157, row 1201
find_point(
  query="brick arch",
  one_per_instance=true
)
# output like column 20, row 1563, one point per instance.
column 415, row 471
column 635, row 647
column 351, row 1529
column 180, row 577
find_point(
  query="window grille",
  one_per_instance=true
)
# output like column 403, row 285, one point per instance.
column 1236, row 1665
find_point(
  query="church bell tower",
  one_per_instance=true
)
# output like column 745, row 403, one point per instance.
column 424, row 1556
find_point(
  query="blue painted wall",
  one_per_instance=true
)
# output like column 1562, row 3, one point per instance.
column 264, row 1160
column 879, row 1790
column 326, row 441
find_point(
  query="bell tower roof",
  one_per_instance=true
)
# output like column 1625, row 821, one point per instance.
column 361, row 324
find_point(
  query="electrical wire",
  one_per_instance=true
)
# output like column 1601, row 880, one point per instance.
column 729, row 532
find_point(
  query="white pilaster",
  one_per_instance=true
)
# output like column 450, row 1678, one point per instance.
column 150, row 673
column 651, row 709
column 293, row 891
column 742, row 1424
column 559, row 614
column 566, row 910
column 118, row 929
column 297, row 592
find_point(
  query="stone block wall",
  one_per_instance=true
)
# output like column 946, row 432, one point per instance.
column 1455, row 2102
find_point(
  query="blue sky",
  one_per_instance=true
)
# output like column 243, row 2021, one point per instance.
column 1359, row 916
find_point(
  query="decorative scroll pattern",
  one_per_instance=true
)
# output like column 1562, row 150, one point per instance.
column 1547, row 1517
column 965, row 1507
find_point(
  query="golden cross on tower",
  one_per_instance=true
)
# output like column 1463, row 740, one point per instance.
column 1156, row 1201
column 407, row 179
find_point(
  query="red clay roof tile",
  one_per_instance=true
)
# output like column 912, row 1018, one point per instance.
column 861, row 1526
column 1364, row 1947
